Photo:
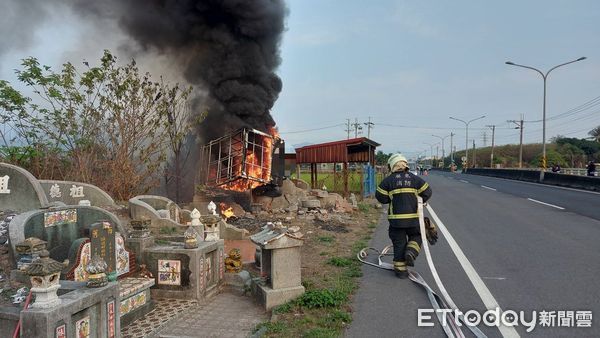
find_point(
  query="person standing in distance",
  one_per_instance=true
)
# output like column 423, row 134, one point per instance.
column 400, row 190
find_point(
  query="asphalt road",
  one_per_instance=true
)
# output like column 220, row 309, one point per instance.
column 530, row 256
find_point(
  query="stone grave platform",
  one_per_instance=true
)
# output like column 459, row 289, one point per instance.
column 165, row 309
column 186, row 273
column 135, row 297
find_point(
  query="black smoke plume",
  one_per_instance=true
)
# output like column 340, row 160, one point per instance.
column 230, row 48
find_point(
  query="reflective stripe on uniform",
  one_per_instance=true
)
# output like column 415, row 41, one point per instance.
column 400, row 266
column 403, row 191
column 382, row 191
column 403, row 216
column 414, row 245
column 423, row 188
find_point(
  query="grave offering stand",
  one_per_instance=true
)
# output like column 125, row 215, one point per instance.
column 279, row 266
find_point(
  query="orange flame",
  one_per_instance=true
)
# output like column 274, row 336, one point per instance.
column 254, row 167
column 226, row 211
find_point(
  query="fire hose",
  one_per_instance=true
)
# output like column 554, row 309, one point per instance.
column 450, row 326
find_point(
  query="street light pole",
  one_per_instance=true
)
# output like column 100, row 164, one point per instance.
column 467, row 135
column 451, row 152
column 493, row 127
column 519, row 126
column 443, row 152
column 431, row 148
column 545, row 77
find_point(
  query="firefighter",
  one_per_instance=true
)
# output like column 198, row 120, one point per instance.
column 400, row 190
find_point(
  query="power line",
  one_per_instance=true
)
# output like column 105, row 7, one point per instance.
column 314, row 129
column 582, row 107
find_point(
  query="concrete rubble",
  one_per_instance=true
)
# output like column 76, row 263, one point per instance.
column 297, row 203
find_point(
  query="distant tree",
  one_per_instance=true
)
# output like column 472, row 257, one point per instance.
column 595, row 133
column 588, row 147
column 108, row 125
column 552, row 157
column 572, row 154
column 381, row 158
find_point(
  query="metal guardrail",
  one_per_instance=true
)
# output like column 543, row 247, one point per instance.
column 576, row 171
column 548, row 177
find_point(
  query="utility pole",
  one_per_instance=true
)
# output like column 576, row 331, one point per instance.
column 493, row 127
column 357, row 127
column 451, row 149
column 348, row 128
column 484, row 139
column 519, row 126
column 369, row 126
column 474, row 155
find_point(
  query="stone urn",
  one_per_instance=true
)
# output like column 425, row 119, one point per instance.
column 44, row 273
column 190, row 240
column 96, row 270
column 211, row 228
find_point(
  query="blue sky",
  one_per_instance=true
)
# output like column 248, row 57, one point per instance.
column 416, row 63
column 409, row 63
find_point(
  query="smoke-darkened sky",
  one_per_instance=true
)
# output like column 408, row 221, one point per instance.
column 228, row 49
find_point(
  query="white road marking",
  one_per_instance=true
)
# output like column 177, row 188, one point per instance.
column 484, row 293
column 548, row 204
column 464, row 181
column 494, row 278
column 546, row 185
column 483, row 186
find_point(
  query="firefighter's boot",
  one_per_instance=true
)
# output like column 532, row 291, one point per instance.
column 400, row 270
column 411, row 253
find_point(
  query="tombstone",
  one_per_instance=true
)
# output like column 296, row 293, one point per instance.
column 60, row 227
column 20, row 191
column 102, row 238
column 73, row 193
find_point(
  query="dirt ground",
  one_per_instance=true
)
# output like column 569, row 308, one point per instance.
column 323, row 237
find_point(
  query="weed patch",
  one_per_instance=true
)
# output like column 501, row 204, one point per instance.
column 364, row 207
column 322, row 298
column 326, row 239
column 340, row 261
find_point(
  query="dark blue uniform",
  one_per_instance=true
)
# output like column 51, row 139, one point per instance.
column 400, row 191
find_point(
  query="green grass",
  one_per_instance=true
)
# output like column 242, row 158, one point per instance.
column 364, row 207
column 340, row 261
column 168, row 230
column 354, row 181
column 326, row 239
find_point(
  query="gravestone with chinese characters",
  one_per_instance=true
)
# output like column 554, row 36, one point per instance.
column 20, row 191
column 73, row 193
column 102, row 238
